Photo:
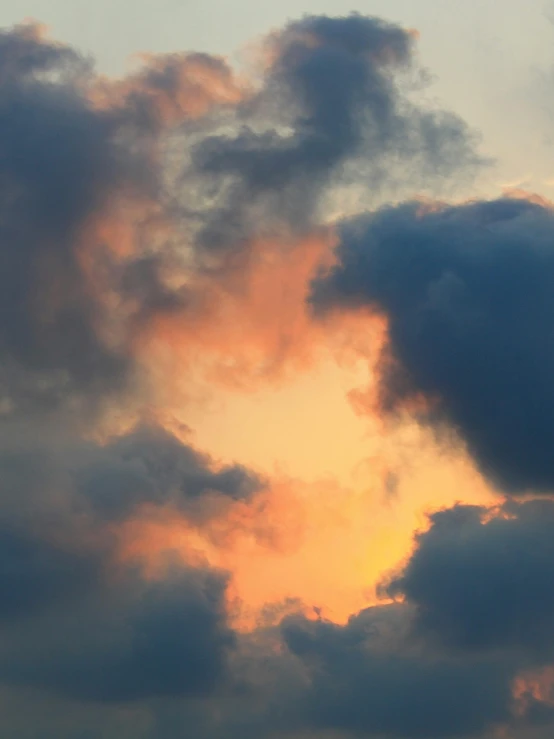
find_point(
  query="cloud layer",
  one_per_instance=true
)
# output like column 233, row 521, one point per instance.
column 172, row 233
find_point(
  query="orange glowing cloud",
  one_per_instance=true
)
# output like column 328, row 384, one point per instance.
column 248, row 325
column 533, row 686
column 518, row 193
column 173, row 88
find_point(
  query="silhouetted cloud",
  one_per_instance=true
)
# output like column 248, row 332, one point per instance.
column 134, row 640
column 36, row 573
column 78, row 619
column 60, row 161
column 363, row 686
column 468, row 294
column 482, row 582
column 151, row 466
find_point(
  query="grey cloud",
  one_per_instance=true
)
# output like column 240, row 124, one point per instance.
column 58, row 160
column 58, row 499
column 36, row 573
column 362, row 687
column 481, row 584
column 330, row 98
column 468, row 292
column 132, row 641
column 150, row 465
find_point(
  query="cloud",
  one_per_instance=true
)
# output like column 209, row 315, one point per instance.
column 249, row 189
column 363, row 687
column 467, row 293
column 480, row 579
column 151, row 466
column 36, row 573
column 112, row 190
column 61, row 479
column 164, row 229
column 170, row 89
column 76, row 618
column 134, row 640
column 79, row 622
column 331, row 97
column 60, row 162
column 81, row 177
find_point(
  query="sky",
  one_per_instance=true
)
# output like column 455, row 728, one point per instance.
column 276, row 395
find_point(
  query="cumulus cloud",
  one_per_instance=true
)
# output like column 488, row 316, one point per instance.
column 78, row 620
column 467, row 294
column 359, row 686
column 134, row 640
column 480, row 580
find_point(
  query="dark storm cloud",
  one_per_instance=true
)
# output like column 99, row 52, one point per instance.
column 134, row 640
column 330, row 96
column 485, row 584
column 469, row 295
column 366, row 688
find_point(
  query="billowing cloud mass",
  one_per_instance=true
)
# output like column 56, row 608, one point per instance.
column 134, row 641
column 482, row 582
column 361, row 685
column 180, row 235
column 467, row 293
